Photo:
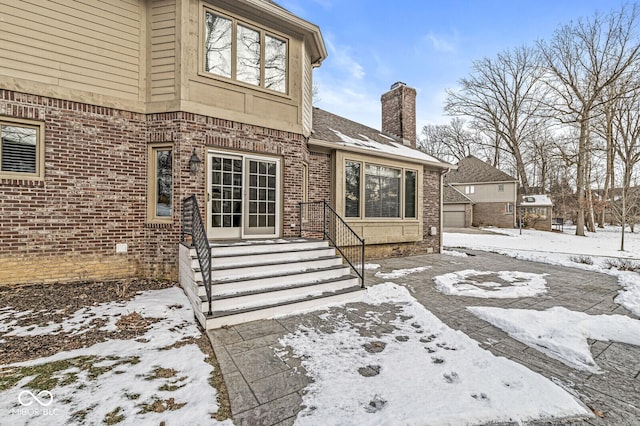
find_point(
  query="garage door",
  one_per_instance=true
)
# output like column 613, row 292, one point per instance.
column 454, row 219
column 453, row 215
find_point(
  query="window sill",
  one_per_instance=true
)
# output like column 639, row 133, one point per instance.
column 29, row 182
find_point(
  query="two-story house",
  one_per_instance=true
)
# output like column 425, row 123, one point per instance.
column 113, row 112
column 479, row 194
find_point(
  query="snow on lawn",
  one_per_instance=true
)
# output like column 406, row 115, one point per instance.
column 399, row 273
column 560, row 333
column 514, row 284
column 422, row 371
column 161, row 376
column 566, row 249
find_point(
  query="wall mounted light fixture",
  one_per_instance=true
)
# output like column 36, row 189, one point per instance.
column 194, row 163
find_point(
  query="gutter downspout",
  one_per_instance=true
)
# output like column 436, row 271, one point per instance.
column 441, row 226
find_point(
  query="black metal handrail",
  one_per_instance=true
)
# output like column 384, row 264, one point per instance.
column 193, row 226
column 319, row 219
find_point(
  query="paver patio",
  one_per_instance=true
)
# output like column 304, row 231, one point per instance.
column 265, row 389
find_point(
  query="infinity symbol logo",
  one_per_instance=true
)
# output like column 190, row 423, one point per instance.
column 46, row 398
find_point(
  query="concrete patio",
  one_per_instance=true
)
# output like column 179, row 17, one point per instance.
column 265, row 389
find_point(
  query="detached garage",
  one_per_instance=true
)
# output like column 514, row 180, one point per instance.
column 457, row 209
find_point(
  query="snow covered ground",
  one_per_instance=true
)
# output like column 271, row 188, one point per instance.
column 161, row 376
column 426, row 370
column 601, row 249
column 421, row 373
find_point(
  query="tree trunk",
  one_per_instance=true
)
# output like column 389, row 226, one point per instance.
column 608, row 180
column 580, row 178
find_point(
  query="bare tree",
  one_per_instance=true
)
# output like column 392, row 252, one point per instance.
column 502, row 98
column 626, row 142
column 451, row 142
column 583, row 60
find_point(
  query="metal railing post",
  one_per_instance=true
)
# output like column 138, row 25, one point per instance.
column 362, row 265
column 324, row 220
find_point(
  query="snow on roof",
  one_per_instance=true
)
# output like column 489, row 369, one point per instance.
column 331, row 130
column 390, row 147
column 536, row 200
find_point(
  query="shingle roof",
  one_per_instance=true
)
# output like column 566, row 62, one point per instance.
column 450, row 195
column 474, row 170
column 349, row 135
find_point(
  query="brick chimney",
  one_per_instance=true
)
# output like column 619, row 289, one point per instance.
column 399, row 113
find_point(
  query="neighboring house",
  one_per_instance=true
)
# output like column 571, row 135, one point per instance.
column 493, row 193
column 457, row 208
column 112, row 113
column 536, row 212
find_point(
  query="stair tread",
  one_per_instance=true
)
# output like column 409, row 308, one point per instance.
column 272, row 263
column 276, row 275
column 280, row 288
column 220, row 314
column 250, row 243
column 222, row 256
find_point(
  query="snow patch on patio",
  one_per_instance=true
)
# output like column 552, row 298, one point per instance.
column 563, row 250
column 514, row 284
column 420, row 371
column 399, row 273
column 560, row 333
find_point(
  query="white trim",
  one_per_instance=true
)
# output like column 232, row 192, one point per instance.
column 241, row 231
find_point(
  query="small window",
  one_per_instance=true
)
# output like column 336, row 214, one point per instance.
column 410, row 177
column 160, row 197
column 352, row 189
column 501, row 187
column 508, row 208
column 21, row 150
column 469, row 189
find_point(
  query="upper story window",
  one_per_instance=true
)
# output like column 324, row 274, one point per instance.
column 501, row 187
column 469, row 189
column 21, row 149
column 239, row 51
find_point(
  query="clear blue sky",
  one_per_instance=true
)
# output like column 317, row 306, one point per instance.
column 428, row 44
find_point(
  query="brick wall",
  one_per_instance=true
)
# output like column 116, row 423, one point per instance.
column 431, row 208
column 492, row 214
column 320, row 177
column 66, row 227
column 399, row 112
column 93, row 197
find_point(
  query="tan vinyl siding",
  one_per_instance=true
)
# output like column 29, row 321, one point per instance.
column 163, row 50
column 307, row 94
column 73, row 44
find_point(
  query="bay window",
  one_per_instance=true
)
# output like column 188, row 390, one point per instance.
column 245, row 53
column 379, row 191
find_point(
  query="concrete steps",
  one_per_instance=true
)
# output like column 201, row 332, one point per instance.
column 260, row 279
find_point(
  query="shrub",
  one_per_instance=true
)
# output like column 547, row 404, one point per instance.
column 622, row 265
column 585, row 260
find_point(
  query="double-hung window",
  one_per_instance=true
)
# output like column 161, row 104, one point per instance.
column 243, row 52
column 379, row 191
column 21, row 149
